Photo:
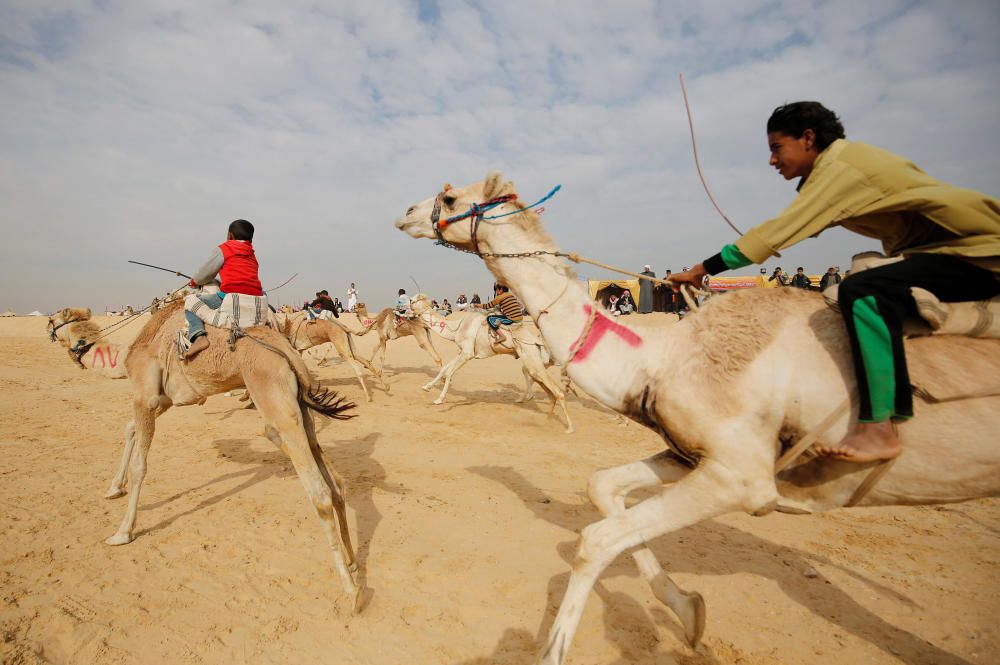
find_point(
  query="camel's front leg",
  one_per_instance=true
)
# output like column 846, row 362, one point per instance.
column 120, row 480
column 423, row 338
column 117, row 487
column 356, row 366
column 449, row 371
column 608, row 489
column 708, row 491
column 440, row 375
column 145, row 426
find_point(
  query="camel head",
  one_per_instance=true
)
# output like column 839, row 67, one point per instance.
column 361, row 310
column 418, row 221
column 420, row 303
column 56, row 326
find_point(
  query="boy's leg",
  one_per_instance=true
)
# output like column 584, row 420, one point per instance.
column 874, row 304
column 196, row 327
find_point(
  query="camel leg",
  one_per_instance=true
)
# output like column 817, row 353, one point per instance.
column 449, row 371
column 529, row 386
column 118, row 483
column 353, row 355
column 608, row 489
column 423, row 338
column 356, row 366
column 710, row 490
column 538, row 373
column 379, row 351
column 145, row 426
column 282, row 413
column 440, row 375
column 336, row 483
column 117, row 488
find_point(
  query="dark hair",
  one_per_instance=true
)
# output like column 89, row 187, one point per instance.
column 241, row 230
column 799, row 268
column 402, row 291
column 325, row 292
column 795, row 118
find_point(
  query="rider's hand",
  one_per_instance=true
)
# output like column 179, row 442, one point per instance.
column 694, row 277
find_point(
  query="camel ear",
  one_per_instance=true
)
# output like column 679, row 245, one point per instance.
column 86, row 313
column 64, row 313
column 492, row 185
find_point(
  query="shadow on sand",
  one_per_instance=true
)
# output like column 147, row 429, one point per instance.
column 634, row 630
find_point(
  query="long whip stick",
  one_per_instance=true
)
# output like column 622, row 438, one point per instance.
column 697, row 162
column 149, row 265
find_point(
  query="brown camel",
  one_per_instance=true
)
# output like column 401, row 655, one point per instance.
column 281, row 387
column 305, row 334
column 783, row 347
column 385, row 324
column 73, row 328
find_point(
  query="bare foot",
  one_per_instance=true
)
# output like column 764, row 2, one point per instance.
column 870, row 442
column 199, row 344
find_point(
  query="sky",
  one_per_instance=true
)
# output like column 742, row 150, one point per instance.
column 139, row 130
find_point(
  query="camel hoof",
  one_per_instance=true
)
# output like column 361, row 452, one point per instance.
column 569, row 430
column 119, row 539
column 439, row 401
column 426, row 388
column 114, row 493
column 361, row 599
column 694, row 619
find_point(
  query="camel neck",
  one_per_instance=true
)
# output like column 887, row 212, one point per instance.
column 438, row 324
column 612, row 358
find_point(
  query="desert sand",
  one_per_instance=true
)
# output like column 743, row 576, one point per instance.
column 465, row 516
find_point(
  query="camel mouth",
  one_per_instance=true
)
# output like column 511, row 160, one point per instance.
column 413, row 228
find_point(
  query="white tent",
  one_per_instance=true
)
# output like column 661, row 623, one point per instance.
column 35, row 313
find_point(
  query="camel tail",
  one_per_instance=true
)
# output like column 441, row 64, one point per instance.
column 328, row 403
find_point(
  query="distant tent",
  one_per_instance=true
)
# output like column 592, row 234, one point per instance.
column 36, row 313
column 9, row 313
column 601, row 290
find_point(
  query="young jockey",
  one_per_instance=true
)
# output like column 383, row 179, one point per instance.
column 510, row 312
column 949, row 238
column 236, row 265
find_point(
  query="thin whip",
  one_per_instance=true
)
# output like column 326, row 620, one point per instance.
column 697, row 162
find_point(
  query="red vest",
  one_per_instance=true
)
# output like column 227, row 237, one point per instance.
column 239, row 269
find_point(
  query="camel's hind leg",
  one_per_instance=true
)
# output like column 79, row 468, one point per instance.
column 710, row 490
column 277, row 403
column 536, row 372
column 608, row 489
column 146, row 409
column 118, row 483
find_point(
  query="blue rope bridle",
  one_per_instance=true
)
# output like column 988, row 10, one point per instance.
column 476, row 214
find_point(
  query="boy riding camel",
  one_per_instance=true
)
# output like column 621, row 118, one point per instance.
column 510, row 312
column 236, row 266
column 949, row 239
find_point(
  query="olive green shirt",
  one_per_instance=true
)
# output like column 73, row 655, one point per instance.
column 880, row 195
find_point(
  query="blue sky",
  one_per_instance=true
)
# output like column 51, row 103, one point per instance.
column 139, row 130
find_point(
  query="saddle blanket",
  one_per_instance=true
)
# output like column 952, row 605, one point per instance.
column 237, row 311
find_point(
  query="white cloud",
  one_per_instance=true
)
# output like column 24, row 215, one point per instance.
column 139, row 131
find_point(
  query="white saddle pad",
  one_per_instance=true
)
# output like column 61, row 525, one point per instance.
column 237, row 310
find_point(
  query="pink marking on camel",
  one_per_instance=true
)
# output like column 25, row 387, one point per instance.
column 93, row 358
column 602, row 325
column 112, row 361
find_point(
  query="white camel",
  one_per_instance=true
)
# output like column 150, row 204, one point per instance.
column 784, row 347
column 471, row 335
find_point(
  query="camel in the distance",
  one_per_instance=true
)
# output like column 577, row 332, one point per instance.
column 471, row 335
column 304, row 334
column 783, row 347
column 73, row 328
column 281, row 388
column 384, row 323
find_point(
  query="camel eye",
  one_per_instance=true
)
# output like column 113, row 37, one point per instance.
column 449, row 201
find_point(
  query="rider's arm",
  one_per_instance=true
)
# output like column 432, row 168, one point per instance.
column 207, row 272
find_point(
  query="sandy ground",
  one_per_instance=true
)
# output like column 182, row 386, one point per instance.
column 465, row 516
